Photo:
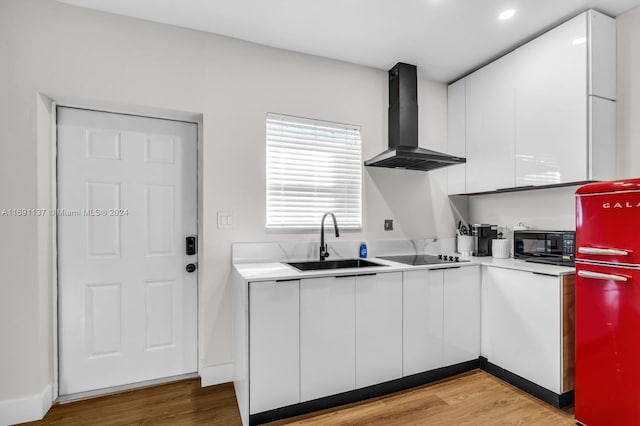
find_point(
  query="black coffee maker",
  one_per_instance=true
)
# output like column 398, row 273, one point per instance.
column 483, row 235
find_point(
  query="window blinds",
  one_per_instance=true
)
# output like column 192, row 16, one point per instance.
column 313, row 167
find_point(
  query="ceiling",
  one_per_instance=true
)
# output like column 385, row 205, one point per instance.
column 446, row 39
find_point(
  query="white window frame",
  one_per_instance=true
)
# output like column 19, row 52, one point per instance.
column 312, row 167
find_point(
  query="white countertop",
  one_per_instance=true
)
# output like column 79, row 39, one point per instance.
column 521, row 265
column 270, row 271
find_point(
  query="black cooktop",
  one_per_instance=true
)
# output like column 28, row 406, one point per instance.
column 423, row 259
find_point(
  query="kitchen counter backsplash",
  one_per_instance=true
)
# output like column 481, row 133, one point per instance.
column 338, row 249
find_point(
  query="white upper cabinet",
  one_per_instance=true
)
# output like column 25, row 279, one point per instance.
column 542, row 114
column 456, row 131
column 490, row 127
column 551, row 106
column 602, row 55
column 602, row 129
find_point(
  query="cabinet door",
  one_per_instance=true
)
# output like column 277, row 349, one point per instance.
column 490, row 127
column 524, row 328
column 461, row 314
column 551, row 106
column 422, row 321
column 378, row 328
column 327, row 336
column 274, row 362
column 602, row 55
column 456, row 135
column 484, row 307
column 602, row 136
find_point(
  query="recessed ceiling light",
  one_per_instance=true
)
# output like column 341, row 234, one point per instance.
column 506, row 14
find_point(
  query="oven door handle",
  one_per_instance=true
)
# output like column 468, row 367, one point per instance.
column 602, row 251
column 601, row 276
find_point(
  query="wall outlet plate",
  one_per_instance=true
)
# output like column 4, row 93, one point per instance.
column 388, row 224
column 225, row 220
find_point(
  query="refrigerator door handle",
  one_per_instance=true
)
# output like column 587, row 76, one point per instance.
column 600, row 276
column 602, row 251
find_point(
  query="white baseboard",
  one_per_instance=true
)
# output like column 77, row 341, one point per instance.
column 216, row 374
column 25, row 409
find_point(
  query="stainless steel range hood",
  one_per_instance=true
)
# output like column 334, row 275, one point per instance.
column 404, row 152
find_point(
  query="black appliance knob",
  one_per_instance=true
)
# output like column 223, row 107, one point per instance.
column 450, row 258
column 440, row 256
column 456, row 259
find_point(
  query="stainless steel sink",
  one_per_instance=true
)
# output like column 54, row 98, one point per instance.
column 332, row 264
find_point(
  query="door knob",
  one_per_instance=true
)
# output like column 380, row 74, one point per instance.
column 191, row 267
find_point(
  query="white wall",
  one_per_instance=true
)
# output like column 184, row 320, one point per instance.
column 555, row 208
column 76, row 56
column 540, row 209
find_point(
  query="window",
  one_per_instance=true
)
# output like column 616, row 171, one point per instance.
column 313, row 167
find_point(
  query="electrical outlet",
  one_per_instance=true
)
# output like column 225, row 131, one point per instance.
column 388, row 224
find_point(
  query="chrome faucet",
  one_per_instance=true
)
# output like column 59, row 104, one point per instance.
column 324, row 248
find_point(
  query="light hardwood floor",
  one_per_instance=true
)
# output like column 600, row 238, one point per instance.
column 474, row 398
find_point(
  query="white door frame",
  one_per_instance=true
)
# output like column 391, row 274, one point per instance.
column 54, row 205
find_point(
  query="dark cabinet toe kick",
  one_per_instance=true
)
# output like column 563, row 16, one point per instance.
column 544, row 394
column 559, row 401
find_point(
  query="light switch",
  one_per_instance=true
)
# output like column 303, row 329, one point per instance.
column 225, row 220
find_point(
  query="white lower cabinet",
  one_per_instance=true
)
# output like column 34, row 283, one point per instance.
column 422, row 317
column 327, row 337
column 274, row 341
column 378, row 304
column 461, row 324
column 523, row 331
column 317, row 337
column 441, row 318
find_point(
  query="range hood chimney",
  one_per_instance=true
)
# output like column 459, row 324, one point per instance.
column 404, row 152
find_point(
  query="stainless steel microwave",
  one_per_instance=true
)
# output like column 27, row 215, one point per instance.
column 552, row 247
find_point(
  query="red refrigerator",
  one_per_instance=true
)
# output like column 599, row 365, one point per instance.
column 607, row 369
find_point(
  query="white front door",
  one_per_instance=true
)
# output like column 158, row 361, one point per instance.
column 127, row 199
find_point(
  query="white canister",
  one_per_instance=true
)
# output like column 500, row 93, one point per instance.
column 465, row 245
column 500, row 248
